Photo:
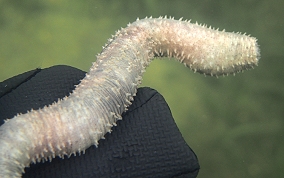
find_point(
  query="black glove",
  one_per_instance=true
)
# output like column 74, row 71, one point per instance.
column 145, row 143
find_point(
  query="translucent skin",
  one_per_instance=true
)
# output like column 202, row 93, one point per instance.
column 73, row 124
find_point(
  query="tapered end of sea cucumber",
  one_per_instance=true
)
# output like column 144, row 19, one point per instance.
column 225, row 53
column 235, row 55
column 204, row 50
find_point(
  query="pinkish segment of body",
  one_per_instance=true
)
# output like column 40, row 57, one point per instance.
column 73, row 124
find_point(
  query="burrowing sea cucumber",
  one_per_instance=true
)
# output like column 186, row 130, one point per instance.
column 75, row 123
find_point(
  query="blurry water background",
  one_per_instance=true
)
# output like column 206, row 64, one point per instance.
column 234, row 124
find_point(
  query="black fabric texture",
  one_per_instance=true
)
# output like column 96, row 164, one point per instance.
column 145, row 143
column 12, row 83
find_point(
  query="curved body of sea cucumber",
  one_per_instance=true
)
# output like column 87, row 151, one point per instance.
column 75, row 123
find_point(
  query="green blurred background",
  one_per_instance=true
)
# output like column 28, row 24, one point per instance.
column 234, row 124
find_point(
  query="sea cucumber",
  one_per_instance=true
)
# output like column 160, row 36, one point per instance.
column 73, row 124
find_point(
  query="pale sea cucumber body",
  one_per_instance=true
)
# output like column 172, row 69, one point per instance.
column 79, row 121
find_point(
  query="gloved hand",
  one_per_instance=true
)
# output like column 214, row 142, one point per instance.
column 145, row 143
